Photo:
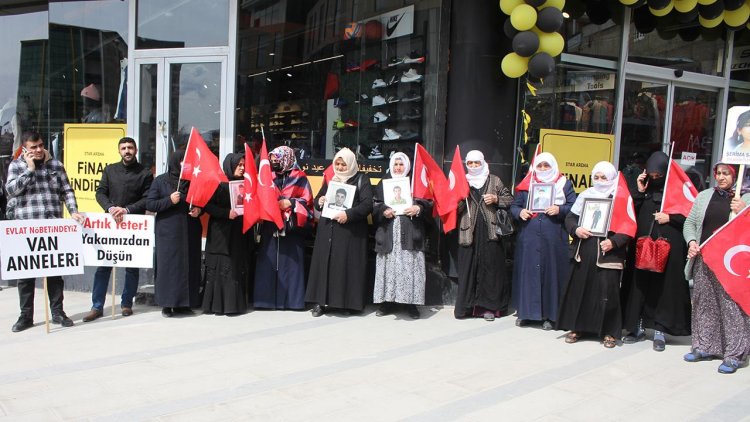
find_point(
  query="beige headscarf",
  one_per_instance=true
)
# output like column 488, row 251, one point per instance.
column 351, row 165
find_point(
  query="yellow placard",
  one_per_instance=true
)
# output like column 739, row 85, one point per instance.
column 88, row 149
column 577, row 153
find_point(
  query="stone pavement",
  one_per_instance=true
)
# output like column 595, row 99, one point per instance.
column 288, row 366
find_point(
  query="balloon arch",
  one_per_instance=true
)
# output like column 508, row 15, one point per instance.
column 534, row 24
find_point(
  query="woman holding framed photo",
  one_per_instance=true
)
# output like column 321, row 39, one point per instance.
column 399, row 242
column 338, row 270
column 591, row 302
column 541, row 266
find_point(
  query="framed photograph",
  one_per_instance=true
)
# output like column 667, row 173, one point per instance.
column 397, row 194
column 595, row 215
column 236, row 194
column 541, row 196
column 339, row 197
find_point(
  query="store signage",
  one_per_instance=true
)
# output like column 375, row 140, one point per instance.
column 397, row 23
column 88, row 149
column 40, row 248
column 577, row 153
column 737, row 136
column 129, row 243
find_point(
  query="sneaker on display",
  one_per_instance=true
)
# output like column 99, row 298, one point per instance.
column 411, row 75
column 380, row 117
column 378, row 101
column 391, row 135
column 414, row 57
column 375, row 154
column 411, row 96
column 378, row 83
column 414, row 114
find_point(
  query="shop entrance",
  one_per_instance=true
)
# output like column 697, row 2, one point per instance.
column 172, row 95
column 659, row 112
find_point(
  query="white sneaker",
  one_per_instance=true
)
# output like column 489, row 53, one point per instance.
column 391, row 135
column 378, row 101
column 378, row 83
column 379, row 117
column 411, row 76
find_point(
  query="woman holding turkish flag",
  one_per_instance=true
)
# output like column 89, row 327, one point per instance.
column 658, row 300
column 721, row 329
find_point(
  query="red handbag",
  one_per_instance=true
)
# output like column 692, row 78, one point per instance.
column 650, row 254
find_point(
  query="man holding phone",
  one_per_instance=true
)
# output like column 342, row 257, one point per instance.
column 37, row 185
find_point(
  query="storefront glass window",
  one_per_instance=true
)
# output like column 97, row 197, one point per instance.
column 180, row 24
column 665, row 42
column 332, row 74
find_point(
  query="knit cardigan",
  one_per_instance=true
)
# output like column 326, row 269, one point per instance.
column 694, row 222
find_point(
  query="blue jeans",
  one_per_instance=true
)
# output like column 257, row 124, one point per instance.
column 101, row 284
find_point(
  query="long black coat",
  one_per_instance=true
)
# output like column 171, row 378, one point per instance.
column 338, row 270
column 178, row 248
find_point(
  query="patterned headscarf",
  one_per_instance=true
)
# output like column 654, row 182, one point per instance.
column 286, row 157
column 351, row 165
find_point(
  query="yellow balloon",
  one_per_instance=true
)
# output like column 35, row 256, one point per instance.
column 711, row 23
column 706, row 2
column 514, row 66
column 553, row 3
column 737, row 17
column 628, row 2
column 662, row 12
column 523, row 17
column 684, row 6
column 551, row 43
column 507, row 6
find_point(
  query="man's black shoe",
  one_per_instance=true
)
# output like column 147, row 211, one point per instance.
column 63, row 320
column 22, row 324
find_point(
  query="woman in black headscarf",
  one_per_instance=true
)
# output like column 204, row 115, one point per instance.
column 228, row 250
column 658, row 300
column 178, row 242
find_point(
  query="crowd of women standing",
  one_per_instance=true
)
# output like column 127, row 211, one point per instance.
column 555, row 284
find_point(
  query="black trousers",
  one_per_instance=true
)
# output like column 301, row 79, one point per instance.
column 26, row 288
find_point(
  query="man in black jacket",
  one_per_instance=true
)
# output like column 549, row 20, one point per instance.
column 121, row 191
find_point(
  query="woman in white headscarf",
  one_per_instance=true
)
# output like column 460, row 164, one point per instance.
column 338, row 269
column 540, row 266
column 483, row 285
column 591, row 303
column 399, row 244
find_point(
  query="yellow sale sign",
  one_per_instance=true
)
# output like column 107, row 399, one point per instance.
column 577, row 153
column 88, row 149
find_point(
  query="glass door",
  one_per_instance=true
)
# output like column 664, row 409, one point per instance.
column 173, row 95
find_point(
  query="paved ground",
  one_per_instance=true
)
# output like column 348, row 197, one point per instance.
column 289, row 366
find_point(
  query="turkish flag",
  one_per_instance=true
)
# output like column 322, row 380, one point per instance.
column 727, row 254
column 523, row 185
column 429, row 182
column 623, row 211
column 459, row 187
column 679, row 192
column 250, row 204
column 267, row 192
column 202, row 168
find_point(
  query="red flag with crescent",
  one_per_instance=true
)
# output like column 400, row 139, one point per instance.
column 267, row 192
column 250, row 203
column 679, row 192
column 727, row 254
column 623, row 211
column 459, row 187
column 201, row 167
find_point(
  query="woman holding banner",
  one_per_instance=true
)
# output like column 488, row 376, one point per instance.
column 658, row 300
column 338, row 270
column 178, row 242
column 721, row 329
column 541, row 265
column 591, row 303
column 226, row 269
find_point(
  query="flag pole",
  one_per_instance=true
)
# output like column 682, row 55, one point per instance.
column 666, row 178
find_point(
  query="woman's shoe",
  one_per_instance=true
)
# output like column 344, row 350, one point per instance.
column 697, row 356
column 167, row 312
column 729, row 366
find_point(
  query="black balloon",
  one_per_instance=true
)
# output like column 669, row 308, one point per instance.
column 541, row 65
column 525, row 43
column 686, row 17
column 508, row 29
column 597, row 12
column 711, row 11
column 733, row 4
column 658, row 4
column 535, row 3
column 644, row 21
column 549, row 19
